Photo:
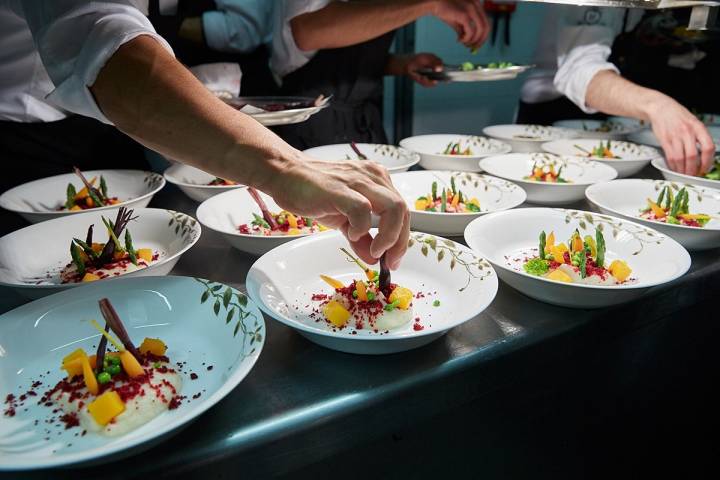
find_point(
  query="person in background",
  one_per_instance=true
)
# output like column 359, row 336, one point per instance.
column 104, row 60
column 574, row 59
column 341, row 48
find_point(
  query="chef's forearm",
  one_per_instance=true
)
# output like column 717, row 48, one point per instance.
column 341, row 24
column 612, row 94
column 150, row 96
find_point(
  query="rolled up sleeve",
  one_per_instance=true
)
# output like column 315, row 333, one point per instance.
column 75, row 40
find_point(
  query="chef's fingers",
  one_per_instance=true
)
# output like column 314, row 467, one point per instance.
column 707, row 148
column 691, row 161
column 361, row 247
column 356, row 207
column 395, row 254
column 423, row 80
column 333, row 221
column 484, row 29
column 475, row 24
column 674, row 153
column 390, row 207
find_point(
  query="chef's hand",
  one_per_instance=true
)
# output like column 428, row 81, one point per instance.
column 680, row 133
column 410, row 64
column 343, row 195
column 467, row 18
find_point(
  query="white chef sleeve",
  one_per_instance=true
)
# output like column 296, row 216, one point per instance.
column 238, row 25
column 75, row 39
column 585, row 38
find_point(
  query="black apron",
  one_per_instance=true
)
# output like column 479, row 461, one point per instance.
column 256, row 79
column 354, row 77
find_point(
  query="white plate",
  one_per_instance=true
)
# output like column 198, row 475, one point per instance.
column 633, row 157
column 39, row 200
column 668, row 174
column 224, row 213
column 501, row 237
column 35, row 338
column 281, row 117
column 588, row 128
column 283, row 281
column 493, row 193
column 528, row 138
column 28, row 256
column 395, row 159
column 194, row 182
column 430, row 148
column 626, row 197
column 647, row 137
column 516, row 166
column 455, row 73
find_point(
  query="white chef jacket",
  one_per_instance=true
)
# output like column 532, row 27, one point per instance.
column 53, row 50
column 575, row 44
column 286, row 57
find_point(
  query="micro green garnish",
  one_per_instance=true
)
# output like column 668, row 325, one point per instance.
column 452, row 185
column 391, row 306
column 259, row 221
column 436, row 303
column 77, row 258
column 357, row 261
column 71, row 192
column 129, row 248
column 543, row 242
column 103, row 187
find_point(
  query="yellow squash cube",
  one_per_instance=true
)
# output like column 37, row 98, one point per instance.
column 154, row 346
column 294, row 231
column 106, row 407
column 559, row 276
column 73, row 367
column 332, row 282
column 145, row 253
column 131, row 365
column 421, row 204
column 620, row 270
column 336, row 313
column 74, row 354
column 89, row 376
column 404, row 297
column 90, row 277
column 558, row 253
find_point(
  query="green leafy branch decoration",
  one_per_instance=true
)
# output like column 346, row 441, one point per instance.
column 642, row 235
column 233, row 304
column 184, row 223
column 153, row 180
column 475, row 267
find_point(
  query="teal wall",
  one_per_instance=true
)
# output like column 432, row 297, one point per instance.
column 468, row 107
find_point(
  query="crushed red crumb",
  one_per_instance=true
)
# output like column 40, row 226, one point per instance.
column 210, row 367
column 193, row 376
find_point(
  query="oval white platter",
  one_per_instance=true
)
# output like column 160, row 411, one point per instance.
column 253, row 106
column 430, row 148
column 194, row 182
column 493, row 193
column 661, row 165
column 506, row 238
column 39, row 200
column 626, row 197
column 31, row 258
column 395, row 159
column 633, row 157
column 283, row 281
column 516, row 166
column 605, row 129
column 179, row 310
column 527, row 138
column 224, row 213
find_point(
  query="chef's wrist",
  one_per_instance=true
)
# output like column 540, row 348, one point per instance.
column 271, row 168
column 652, row 103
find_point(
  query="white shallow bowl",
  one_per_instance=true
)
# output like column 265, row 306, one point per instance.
column 588, row 128
column 283, row 281
column 36, row 336
column 39, row 200
column 493, row 193
column 516, row 166
column 194, row 182
column 647, row 137
column 224, row 213
column 280, row 117
column 528, row 138
column 625, row 198
column 395, row 159
column 31, row 258
column 672, row 176
column 430, row 148
column 501, row 237
column 633, row 157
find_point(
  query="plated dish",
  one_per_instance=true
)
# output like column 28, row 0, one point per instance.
column 708, row 180
column 689, row 214
column 647, row 137
column 528, row 138
column 453, row 152
column 466, row 196
column 181, row 346
column 605, row 129
column 196, row 184
column 470, row 72
column 270, row 111
column 252, row 222
column 64, row 253
column 538, row 174
column 634, row 259
column 395, row 159
column 78, row 192
column 625, row 157
column 443, row 284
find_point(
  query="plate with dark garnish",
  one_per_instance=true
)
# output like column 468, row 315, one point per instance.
column 470, row 72
column 271, row 111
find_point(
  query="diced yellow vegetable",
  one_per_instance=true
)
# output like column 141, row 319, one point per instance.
column 620, row 270
column 694, row 216
column 74, row 367
column 131, row 365
column 98, row 247
column 119, row 254
column 370, row 274
column 559, row 276
column 294, row 231
column 656, row 209
column 455, row 200
column 474, row 201
column 577, row 243
column 78, row 353
column 404, row 297
column 336, row 313
column 292, row 220
column 89, row 377
column 361, row 291
column 421, row 204
column 90, row 277
column 75, row 208
column 145, row 253
column 84, row 192
column 89, row 202
column 154, row 346
column 550, row 242
column 322, row 228
column 332, row 282
column 106, row 407
column 593, row 247
column 558, row 253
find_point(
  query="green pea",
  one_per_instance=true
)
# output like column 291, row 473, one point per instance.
column 436, row 303
column 371, row 296
column 156, row 364
column 354, row 294
column 113, row 369
column 103, row 377
column 114, row 360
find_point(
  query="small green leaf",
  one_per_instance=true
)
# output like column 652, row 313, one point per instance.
column 216, row 288
column 216, row 307
column 452, row 264
column 230, row 315
column 237, row 329
column 205, row 296
column 227, row 296
column 440, row 255
column 242, row 299
column 424, row 250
